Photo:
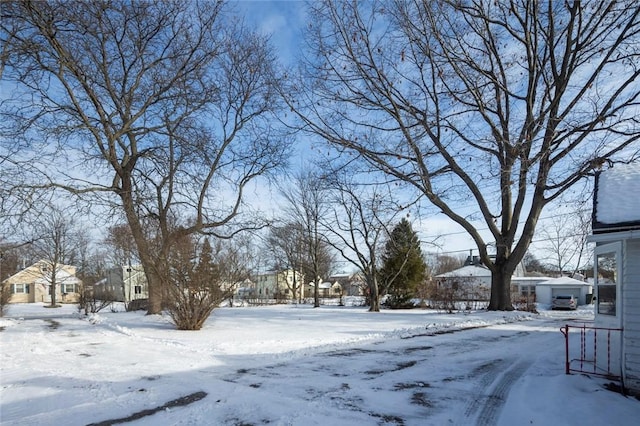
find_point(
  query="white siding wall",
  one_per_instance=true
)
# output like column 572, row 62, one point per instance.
column 543, row 294
column 631, row 314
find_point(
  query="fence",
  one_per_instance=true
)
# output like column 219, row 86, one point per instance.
column 595, row 344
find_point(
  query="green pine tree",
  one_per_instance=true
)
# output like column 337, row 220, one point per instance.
column 403, row 267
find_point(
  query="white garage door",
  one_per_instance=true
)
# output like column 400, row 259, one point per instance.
column 575, row 291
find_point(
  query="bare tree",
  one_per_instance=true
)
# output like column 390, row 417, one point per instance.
column 358, row 225
column 287, row 244
column 167, row 104
column 502, row 106
column 55, row 239
column 442, row 263
column 564, row 240
column 120, row 245
column 307, row 206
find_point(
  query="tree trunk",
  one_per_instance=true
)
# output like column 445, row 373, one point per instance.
column 52, row 293
column 155, row 285
column 374, row 295
column 501, row 285
column 151, row 269
column 316, row 294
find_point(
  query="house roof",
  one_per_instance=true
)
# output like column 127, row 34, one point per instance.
column 467, row 271
column 323, row 285
column 616, row 205
column 33, row 273
column 563, row 281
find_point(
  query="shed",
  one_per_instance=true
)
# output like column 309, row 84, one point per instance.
column 616, row 232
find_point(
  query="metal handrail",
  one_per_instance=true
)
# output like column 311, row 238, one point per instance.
column 583, row 351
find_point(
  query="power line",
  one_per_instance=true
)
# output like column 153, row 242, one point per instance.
column 434, row 236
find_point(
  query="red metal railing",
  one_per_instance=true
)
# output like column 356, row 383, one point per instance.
column 587, row 362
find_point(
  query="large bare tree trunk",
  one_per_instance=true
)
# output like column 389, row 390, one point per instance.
column 374, row 294
column 500, row 291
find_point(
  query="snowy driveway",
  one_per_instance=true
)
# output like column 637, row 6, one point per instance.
column 297, row 366
column 458, row 378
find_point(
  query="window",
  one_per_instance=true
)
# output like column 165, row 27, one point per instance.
column 527, row 290
column 137, row 289
column 20, row 288
column 607, row 275
column 68, row 288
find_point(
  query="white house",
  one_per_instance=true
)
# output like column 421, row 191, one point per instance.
column 474, row 279
column 471, row 282
column 616, row 232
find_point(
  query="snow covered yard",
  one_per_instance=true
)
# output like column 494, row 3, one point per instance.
column 295, row 365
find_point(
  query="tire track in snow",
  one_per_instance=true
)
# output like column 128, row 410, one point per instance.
column 489, row 372
column 488, row 406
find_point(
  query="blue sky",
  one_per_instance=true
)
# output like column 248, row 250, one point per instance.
column 283, row 21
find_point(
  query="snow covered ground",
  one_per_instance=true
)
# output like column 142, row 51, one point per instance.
column 295, row 365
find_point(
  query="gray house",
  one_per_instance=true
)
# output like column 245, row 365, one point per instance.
column 124, row 283
column 616, row 232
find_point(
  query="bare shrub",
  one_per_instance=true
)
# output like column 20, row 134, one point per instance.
column 191, row 305
column 461, row 294
column 443, row 297
column 525, row 303
column 93, row 302
column 196, row 288
column 137, row 305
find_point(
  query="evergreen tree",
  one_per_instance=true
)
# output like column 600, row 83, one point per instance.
column 206, row 270
column 403, row 267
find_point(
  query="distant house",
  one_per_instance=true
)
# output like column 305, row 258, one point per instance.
column 352, row 284
column 245, row 289
column 34, row 284
column 616, row 233
column 471, row 282
column 326, row 289
column 123, row 283
column 283, row 284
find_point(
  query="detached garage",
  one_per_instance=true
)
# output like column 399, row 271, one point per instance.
column 548, row 289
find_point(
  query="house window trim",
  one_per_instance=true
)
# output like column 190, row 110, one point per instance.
column 64, row 288
column 614, row 248
column 25, row 288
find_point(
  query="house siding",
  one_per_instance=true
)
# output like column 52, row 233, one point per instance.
column 631, row 313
